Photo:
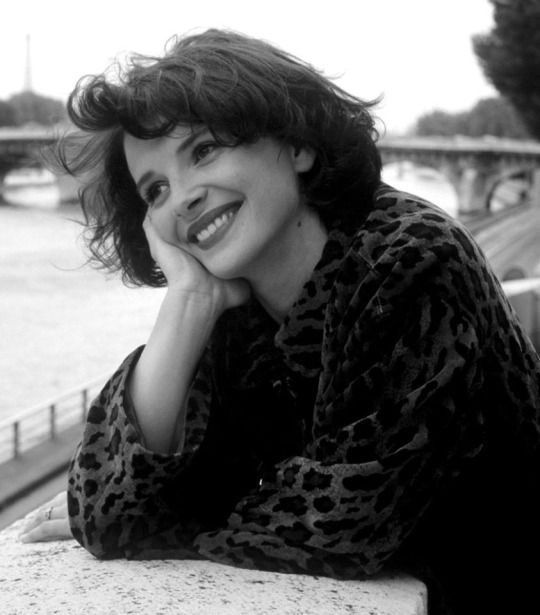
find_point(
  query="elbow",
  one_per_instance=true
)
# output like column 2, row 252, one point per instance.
column 102, row 544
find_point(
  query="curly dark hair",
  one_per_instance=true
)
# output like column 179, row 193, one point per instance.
column 241, row 89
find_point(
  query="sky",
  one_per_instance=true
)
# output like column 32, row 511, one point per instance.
column 417, row 54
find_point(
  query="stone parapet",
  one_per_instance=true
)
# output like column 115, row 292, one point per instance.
column 62, row 578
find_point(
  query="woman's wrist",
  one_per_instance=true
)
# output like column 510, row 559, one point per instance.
column 197, row 309
column 162, row 377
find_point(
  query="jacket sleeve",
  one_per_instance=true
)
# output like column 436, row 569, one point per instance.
column 123, row 497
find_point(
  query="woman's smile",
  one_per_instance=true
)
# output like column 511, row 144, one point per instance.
column 212, row 226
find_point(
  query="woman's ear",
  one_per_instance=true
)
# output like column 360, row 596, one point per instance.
column 303, row 158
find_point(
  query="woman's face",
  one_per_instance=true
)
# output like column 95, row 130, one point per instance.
column 230, row 207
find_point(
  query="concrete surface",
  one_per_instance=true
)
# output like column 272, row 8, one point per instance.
column 61, row 578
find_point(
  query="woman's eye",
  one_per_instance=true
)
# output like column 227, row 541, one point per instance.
column 202, row 150
column 154, row 192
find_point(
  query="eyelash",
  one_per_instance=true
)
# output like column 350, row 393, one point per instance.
column 151, row 194
column 198, row 150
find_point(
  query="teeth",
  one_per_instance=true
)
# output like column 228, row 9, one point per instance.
column 214, row 225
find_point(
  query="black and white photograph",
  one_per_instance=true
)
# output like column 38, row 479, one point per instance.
column 270, row 307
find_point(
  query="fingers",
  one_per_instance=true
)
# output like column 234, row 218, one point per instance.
column 159, row 247
column 59, row 500
column 56, row 529
column 147, row 224
column 150, row 230
column 175, row 263
column 151, row 234
column 50, row 522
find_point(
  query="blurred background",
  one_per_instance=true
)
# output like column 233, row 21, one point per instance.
column 417, row 54
column 455, row 77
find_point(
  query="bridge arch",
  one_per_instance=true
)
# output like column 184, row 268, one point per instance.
column 514, row 273
column 473, row 166
column 517, row 182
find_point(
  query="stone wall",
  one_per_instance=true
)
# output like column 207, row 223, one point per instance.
column 61, row 578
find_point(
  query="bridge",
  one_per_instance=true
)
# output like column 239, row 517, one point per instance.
column 474, row 167
column 21, row 147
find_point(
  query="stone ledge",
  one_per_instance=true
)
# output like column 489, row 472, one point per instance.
column 61, row 578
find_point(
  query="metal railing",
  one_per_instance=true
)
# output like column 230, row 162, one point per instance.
column 46, row 421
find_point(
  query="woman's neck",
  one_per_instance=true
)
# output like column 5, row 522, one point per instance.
column 280, row 276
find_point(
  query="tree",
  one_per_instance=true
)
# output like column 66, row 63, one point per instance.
column 31, row 107
column 437, row 122
column 510, row 57
column 495, row 117
column 490, row 116
column 7, row 114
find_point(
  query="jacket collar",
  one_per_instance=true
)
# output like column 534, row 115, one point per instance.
column 300, row 335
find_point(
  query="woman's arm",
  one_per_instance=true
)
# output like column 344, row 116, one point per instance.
column 117, row 474
column 161, row 379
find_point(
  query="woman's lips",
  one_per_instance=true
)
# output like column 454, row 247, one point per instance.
column 211, row 226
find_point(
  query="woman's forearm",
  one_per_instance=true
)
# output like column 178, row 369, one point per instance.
column 161, row 379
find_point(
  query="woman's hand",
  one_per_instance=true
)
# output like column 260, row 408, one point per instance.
column 186, row 274
column 49, row 522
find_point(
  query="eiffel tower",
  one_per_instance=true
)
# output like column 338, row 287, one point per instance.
column 28, row 67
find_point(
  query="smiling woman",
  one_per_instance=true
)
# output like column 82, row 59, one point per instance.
column 335, row 383
column 235, row 209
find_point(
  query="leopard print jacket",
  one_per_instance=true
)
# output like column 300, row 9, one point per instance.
column 333, row 443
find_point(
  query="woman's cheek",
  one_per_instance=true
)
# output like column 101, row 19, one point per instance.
column 166, row 226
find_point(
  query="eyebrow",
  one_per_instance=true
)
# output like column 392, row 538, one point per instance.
column 184, row 145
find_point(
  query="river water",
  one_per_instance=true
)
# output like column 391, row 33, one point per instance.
column 63, row 323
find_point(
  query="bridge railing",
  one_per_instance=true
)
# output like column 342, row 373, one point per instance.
column 45, row 421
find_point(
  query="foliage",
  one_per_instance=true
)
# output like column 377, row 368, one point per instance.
column 7, row 114
column 439, row 123
column 490, row 116
column 510, row 57
column 32, row 107
column 29, row 107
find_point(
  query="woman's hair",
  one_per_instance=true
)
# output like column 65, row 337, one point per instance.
column 241, row 89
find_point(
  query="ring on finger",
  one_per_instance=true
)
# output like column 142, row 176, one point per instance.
column 48, row 513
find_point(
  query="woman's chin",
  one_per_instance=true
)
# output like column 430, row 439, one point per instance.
column 224, row 270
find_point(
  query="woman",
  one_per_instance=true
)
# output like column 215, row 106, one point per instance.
column 335, row 383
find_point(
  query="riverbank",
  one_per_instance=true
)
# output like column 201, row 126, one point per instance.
column 61, row 322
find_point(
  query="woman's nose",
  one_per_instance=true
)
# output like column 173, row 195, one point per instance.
column 188, row 203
